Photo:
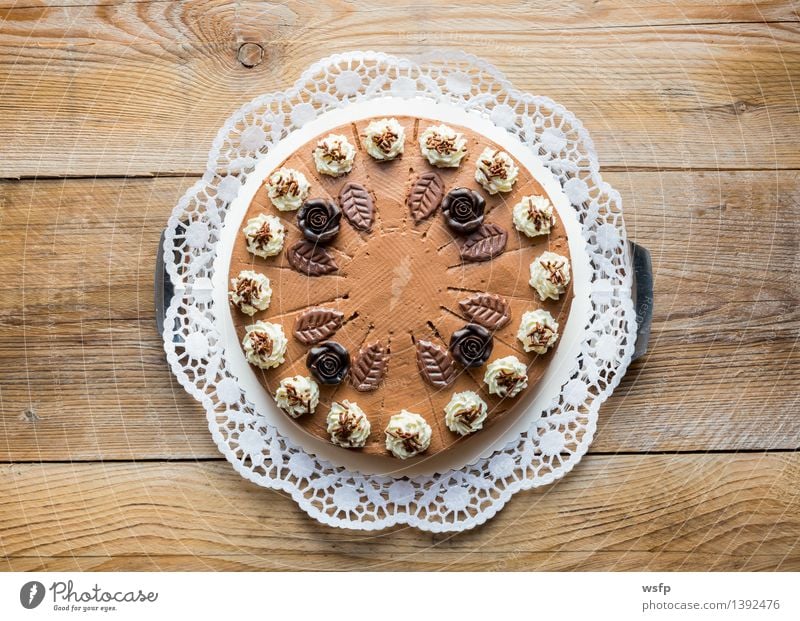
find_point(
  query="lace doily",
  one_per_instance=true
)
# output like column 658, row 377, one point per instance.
column 449, row 501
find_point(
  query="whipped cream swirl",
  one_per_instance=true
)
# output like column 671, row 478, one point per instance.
column 443, row 146
column 506, row 377
column 465, row 413
column 264, row 344
column 297, row 395
column 265, row 235
column 496, row 171
column 287, row 189
column 407, row 434
column 348, row 426
column 384, row 139
column 550, row 275
column 334, row 155
column 533, row 215
column 538, row 331
column 250, row 292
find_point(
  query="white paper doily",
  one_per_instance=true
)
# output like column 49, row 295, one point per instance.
column 456, row 499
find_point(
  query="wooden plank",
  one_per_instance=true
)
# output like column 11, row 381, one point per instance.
column 708, row 512
column 83, row 375
column 141, row 88
column 484, row 561
column 590, row 14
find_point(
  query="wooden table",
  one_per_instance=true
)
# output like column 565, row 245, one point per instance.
column 107, row 111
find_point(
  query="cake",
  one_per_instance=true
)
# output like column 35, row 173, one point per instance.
column 397, row 285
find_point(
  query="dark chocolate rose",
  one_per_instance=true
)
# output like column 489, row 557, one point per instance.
column 471, row 345
column 463, row 210
column 319, row 220
column 328, row 362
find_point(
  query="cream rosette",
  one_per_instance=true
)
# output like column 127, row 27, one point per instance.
column 334, row 155
column 265, row 235
column 506, row 377
column 264, row 344
column 407, row 434
column 297, row 395
column 250, row 292
column 348, row 425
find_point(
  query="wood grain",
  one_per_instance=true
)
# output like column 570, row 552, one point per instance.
column 694, row 86
column 730, row 512
column 79, row 353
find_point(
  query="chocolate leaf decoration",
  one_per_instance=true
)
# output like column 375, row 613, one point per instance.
column 489, row 310
column 311, row 259
column 425, row 195
column 369, row 367
column 485, row 243
column 436, row 364
column 357, row 206
column 317, row 324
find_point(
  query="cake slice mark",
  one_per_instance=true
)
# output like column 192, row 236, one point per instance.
column 436, row 418
column 266, row 207
column 289, row 268
column 524, row 186
column 465, row 263
column 267, row 316
column 378, row 219
column 356, row 138
column 521, row 298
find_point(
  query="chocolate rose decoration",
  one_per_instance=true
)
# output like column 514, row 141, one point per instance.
column 463, row 210
column 471, row 345
column 319, row 220
column 328, row 362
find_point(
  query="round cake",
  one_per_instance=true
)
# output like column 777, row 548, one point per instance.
column 398, row 283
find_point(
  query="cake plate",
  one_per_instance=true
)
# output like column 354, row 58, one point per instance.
column 553, row 432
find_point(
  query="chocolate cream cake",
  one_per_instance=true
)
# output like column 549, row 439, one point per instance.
column 398, row 283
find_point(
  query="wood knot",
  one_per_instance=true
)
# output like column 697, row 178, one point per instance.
column 29, row 415
column 250, row 54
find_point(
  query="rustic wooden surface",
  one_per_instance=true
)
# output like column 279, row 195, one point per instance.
column 107, row 110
